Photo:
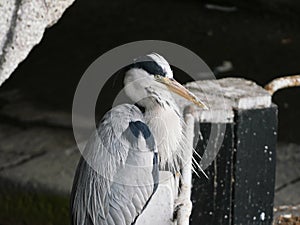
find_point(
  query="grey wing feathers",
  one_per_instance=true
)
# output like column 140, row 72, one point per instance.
column 118, row 174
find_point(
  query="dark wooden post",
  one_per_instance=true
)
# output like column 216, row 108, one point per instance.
column 212, row 197
column 254, row 170
column 240, row 187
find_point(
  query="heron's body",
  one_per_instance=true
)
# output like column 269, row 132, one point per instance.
column 116, row 193
column 119, row 172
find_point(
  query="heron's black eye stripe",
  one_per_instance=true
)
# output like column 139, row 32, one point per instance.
column 151, row 67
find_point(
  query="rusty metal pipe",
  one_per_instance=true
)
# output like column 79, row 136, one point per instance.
column 283, row 82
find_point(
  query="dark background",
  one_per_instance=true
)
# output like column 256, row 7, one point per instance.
column 261, row 39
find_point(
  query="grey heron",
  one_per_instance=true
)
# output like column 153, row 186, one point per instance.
column 118, row 174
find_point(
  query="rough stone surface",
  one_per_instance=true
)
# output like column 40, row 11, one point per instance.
column 37, row 145
column 224, row 95
column 22, row 24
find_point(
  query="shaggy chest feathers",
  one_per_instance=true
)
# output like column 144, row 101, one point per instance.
column 167, row 129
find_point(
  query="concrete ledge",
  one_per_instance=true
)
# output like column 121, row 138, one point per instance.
column 224, row 95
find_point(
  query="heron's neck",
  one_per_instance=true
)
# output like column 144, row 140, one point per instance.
column 166, row 125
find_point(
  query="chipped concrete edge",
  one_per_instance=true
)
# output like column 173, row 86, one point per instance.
column 224, row 96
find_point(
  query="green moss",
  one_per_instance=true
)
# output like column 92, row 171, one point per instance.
column 32, row 208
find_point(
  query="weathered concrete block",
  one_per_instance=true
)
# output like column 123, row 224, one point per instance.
column 22, row 25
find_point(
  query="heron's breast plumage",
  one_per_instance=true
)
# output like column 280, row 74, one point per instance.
column 166, row 126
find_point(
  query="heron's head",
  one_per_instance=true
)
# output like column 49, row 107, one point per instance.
column 149, row 81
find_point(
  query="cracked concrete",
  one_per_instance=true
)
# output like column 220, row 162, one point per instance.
column 44, row 158
column 37, row 146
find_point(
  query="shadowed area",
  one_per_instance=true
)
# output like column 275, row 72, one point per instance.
column 261, row 45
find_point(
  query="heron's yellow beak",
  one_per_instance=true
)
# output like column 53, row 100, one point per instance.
column 177, row 88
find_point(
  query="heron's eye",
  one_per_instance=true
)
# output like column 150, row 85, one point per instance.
column 157, row 77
